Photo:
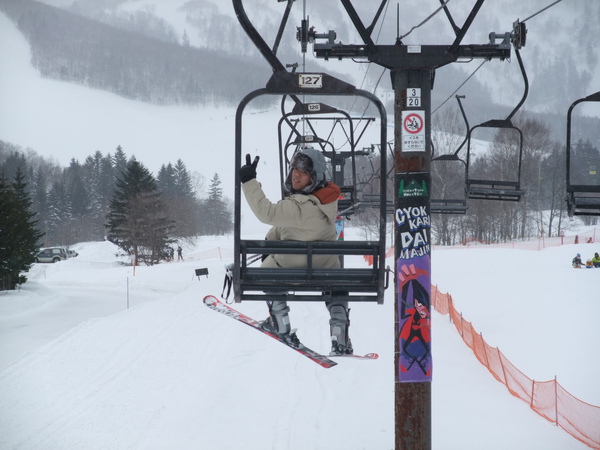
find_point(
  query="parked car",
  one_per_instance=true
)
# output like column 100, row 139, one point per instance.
column 54, row 254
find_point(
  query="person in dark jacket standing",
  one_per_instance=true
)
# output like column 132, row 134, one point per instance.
column 307, row 213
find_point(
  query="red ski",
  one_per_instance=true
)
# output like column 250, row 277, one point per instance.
column 367, row 356
column 213, row 303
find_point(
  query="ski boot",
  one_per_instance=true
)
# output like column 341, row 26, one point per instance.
column 339, row 324
column 278, row 323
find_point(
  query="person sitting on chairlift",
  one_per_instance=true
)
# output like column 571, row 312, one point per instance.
column 307, row 213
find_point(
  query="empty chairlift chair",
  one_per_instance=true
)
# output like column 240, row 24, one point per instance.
column 583, row 173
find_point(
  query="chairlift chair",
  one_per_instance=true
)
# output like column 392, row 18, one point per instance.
column 307, row 284
column 583, row 198
column 447, row 204
column 309, row 115
column 303, row 284
column 506, row 190
column 451, row 204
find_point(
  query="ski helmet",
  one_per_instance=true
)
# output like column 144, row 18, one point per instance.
column 312, row 162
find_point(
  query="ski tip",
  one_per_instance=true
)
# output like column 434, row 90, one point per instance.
column 371, row 356
column 210, row 300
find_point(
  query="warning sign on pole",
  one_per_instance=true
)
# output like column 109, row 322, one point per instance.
column 413, row 131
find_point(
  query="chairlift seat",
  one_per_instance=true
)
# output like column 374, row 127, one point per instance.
column 311, row 283
column 583, row 200
column 345, row 204
column 448, row 206
column 494, row 190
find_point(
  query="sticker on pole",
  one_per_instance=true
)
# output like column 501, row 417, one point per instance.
column 413, row 131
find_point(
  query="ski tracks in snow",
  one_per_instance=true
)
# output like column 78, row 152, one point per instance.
column 114, row 387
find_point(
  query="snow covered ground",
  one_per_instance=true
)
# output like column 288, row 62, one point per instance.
column 79, row 369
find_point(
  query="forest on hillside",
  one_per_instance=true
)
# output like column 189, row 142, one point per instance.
column 540, row 211
column 73, row 48
column 72, row 204
column 143, row 59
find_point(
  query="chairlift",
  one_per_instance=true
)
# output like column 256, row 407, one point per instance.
column 583, row 189
column 506, row 189
column 307, row 283
column 442, row 204
column 483, row 189
column 310, row 116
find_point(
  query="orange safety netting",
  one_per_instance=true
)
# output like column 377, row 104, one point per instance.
column 547, row 398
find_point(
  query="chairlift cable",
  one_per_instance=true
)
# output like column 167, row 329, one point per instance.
column 426, row 20
column 457, row 89
column 369, row 66
column 542, row 10
column 367, row 72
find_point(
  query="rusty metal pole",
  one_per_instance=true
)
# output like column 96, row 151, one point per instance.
column 412, row 155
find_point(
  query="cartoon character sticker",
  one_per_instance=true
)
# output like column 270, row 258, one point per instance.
column 415, row 321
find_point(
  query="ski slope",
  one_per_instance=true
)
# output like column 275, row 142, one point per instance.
column 79, row 369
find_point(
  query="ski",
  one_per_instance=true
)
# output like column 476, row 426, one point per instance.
column 366, row 356
column 216, row 305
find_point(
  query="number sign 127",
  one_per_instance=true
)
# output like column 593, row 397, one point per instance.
column 310, row 80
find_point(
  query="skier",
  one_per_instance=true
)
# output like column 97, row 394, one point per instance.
column 577, row 261
column 307, row 213
column 596, row 260
column 179, row 253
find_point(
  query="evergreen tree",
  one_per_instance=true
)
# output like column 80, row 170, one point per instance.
column 59, row 213
column 165, row 181
column 18, row 233
column 119, row 162
column 40, row 197
column 14, row 162
column 183, row 181
column 77, row 189
column 175, row 184
column 217, row 216
column 138, row 220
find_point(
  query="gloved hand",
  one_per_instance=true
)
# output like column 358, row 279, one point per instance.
column 248, row 172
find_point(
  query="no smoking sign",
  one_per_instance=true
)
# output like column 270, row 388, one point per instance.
column 413, row 131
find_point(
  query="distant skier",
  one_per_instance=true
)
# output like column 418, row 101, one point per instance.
column 577, row 262
column 596, row 260
column 307, row 213
column 179, row 253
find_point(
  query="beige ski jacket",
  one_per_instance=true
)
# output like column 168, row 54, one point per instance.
column 298, row 217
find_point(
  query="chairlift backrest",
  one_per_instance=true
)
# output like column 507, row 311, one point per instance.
column 583, row 190
column 489, row 189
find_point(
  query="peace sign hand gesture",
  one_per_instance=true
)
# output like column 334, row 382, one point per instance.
column 248, row 172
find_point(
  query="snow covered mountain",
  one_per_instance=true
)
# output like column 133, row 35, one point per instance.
column 67, row 121
column 560, row 54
